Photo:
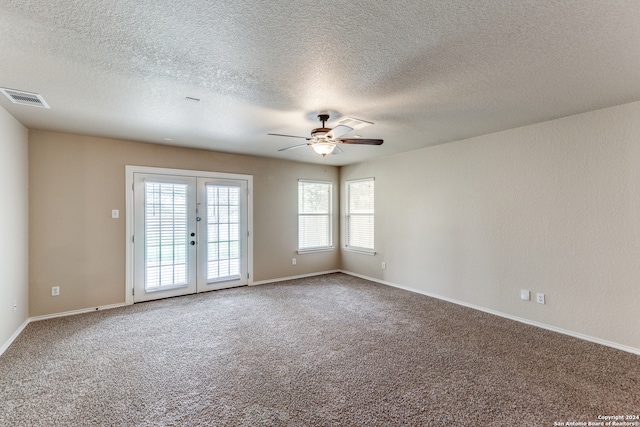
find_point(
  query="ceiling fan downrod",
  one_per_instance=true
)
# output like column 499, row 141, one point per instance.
column 323, row 118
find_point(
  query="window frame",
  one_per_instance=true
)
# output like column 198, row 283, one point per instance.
column 348, row 215
column 329, row 216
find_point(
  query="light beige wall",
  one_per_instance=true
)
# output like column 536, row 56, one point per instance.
column 75, row 182
column 552, row 208
column 13, row 226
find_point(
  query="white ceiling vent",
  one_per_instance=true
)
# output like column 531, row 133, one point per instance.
column 354, row 123
column 24, row 98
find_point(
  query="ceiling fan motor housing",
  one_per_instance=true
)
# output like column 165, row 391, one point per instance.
column 320, row 132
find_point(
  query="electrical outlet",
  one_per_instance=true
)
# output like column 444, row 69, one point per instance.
column 525, row 295
column 293, row 261
column 115, row 213
column 540, row 298
column 55, row 291
column 384, row 265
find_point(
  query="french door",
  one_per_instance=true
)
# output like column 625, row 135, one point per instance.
column 189, row 234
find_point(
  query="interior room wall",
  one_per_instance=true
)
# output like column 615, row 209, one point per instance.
column 75, row 182
column 553, row 208
column 14, row 215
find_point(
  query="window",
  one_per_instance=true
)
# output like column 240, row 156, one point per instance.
column 360, row 215
column 314, row 215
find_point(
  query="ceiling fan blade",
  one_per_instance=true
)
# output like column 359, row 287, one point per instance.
column 362, row 141
column 338, row 131
column 292, row 147
column 336, row 150
column 288, row 136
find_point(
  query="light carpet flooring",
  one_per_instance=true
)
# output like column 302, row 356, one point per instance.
column 330, row 350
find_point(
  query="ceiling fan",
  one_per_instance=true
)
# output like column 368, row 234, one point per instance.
column 325, row 140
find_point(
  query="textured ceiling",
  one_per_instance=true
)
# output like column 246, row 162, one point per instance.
column 425, row 72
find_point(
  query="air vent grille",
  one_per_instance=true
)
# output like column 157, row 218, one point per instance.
column 25, row 98
column 354, row 123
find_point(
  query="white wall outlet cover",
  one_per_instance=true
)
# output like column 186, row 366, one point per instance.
column 540, row 298
column 525, row 295
column 115, row 213
column 293, row 261
column 384, row 265
column 55, row 291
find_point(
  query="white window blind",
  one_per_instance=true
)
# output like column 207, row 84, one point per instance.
column 223, row 232
column 314, row 215
column 360, row 215
column 166, row 231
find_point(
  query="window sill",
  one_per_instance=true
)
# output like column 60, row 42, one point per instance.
column 360, row 251
column 313, row 250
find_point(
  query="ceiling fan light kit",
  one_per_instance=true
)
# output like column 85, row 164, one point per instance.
column 323, row 148
column 325, row 140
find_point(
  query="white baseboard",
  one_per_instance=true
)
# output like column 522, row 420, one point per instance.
column 505, row 315
column 13, row 337
column 73, row 312
column 51, row 316
column 301, row 276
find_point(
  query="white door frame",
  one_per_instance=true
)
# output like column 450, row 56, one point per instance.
column 130, row 214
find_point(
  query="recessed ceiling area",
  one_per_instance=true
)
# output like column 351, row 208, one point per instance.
column 424, row 72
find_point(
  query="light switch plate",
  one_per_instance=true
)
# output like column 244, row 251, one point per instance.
column 525, row 295
column 115, row 213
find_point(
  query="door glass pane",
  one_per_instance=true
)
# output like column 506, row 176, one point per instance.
column 166, row 231
column 223, row 238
